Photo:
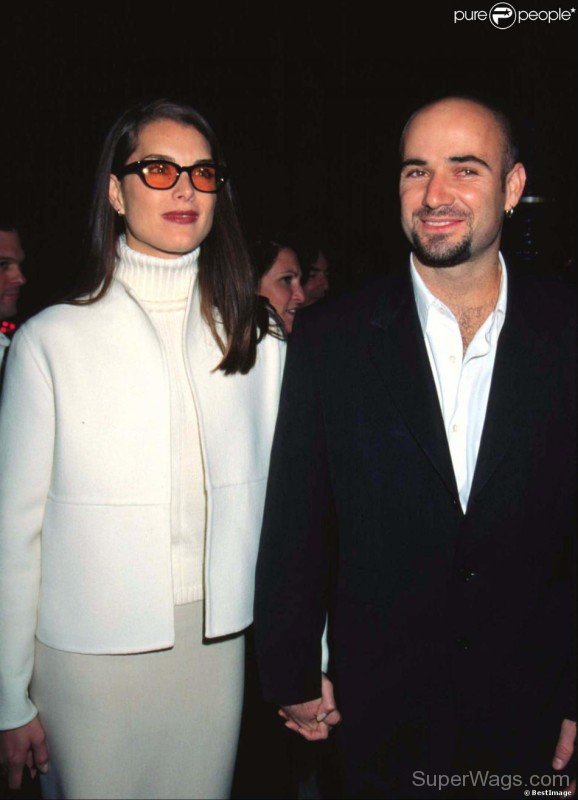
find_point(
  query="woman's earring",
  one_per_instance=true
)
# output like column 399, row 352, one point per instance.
column 509, row 213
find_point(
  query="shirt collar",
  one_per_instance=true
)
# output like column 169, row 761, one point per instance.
column 4, row 340
column 425, row 300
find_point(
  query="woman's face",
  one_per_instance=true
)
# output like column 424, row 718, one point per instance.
column 281, row 285
column 165, row 223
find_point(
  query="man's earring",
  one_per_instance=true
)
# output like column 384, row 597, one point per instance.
column 509, row 213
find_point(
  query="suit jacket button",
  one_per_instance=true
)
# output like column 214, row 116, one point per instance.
column 462, row 643
column 468, row 575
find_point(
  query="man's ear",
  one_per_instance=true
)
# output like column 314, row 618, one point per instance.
column 115, row 195
column 515, row 182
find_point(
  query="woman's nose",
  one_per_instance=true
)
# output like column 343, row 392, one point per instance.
column 298, row 294
column 184, row 186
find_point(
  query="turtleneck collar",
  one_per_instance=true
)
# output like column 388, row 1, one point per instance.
column 155, row 279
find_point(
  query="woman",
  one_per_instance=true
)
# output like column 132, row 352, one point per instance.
column 135, row 433
column 280, row 280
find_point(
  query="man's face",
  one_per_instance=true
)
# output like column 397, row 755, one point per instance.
column 317, row 283
column 11, row 277
column 452, row 191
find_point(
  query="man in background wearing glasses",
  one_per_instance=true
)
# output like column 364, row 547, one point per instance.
column 421, row 494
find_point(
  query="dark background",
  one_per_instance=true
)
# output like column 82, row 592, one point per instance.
column 307, row 100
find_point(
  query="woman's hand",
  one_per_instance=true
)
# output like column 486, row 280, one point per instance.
column 313, row 719
column 20, row 747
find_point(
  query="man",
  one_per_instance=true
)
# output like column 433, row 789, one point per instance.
column 316, row 285
column 11, row 278
column 421, row 493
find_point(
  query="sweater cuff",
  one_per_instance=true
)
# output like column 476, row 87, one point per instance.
column 16, row 708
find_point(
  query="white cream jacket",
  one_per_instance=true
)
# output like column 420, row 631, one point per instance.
column 85, row 484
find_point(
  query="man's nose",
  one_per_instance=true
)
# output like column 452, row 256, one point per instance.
column 17, row 277
column 438, row 192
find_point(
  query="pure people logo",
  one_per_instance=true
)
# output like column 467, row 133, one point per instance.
column 503, row 16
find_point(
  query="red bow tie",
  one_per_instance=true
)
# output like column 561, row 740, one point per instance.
column 7, row 327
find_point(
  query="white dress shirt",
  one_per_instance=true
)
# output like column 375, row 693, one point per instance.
column 462, row 379
column 4, row 342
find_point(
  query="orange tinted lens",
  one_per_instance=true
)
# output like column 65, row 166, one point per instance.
column 204, row 178
column 159, row 175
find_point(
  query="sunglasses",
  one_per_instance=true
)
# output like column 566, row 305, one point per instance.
column 160, row 174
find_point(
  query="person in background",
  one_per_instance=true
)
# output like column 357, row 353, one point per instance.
column 271, row 763
column 279, row 279
column 315, row 268
column 11, row 280
column 422, row 493
column 135, row 433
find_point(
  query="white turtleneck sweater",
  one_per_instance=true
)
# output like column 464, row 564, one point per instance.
column 162, row 287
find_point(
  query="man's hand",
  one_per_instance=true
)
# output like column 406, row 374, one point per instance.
column 314, row 719
column 565, row 748
column 23, row 747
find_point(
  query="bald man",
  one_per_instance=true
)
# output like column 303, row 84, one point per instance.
column 421, row 494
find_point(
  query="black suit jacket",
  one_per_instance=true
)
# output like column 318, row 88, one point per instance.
column 450, row 634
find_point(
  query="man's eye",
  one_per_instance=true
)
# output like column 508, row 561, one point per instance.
column 415, row 173
column 467, row 171
column 4, row 265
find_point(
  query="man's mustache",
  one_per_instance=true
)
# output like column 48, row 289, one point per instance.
column 447, row 212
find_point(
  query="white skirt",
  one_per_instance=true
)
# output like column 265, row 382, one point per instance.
column 151, row 725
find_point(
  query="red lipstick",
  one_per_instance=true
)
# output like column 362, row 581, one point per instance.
column 181, row 217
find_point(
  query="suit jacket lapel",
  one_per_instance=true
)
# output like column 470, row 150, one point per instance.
column 522, row 360
column 397, row 349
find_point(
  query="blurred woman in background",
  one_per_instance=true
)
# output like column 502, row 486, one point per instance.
column 279, row 280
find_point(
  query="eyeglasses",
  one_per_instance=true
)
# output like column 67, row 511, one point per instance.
column 206, row 176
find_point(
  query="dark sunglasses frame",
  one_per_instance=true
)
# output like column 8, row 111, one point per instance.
column 138, row 167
